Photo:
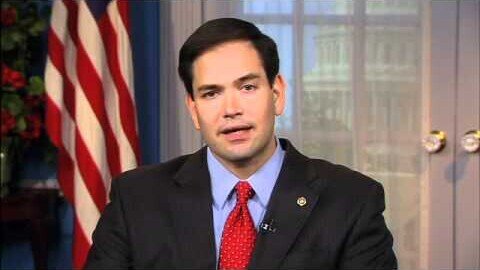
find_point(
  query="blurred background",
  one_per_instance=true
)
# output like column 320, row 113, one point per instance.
column 387, row 87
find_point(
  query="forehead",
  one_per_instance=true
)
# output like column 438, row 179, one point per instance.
column 225, row 63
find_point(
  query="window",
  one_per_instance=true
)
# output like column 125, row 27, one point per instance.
column 354, row 81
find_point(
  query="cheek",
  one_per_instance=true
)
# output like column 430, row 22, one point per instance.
column 264, row 112
column 208, row 117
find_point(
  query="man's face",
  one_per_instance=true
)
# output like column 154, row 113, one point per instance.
column 234, row 106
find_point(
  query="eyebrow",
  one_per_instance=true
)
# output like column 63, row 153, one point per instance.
column 207, row 87
column 248, row 77
column 237, row 82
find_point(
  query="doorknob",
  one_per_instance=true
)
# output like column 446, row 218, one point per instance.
column 435, row 141
column 471, row 141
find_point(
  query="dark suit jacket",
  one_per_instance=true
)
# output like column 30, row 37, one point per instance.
column 161, row 217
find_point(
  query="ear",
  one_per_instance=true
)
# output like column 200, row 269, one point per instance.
column 279, row 88
column 192, row 109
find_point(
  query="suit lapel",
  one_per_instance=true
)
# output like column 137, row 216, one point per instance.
column 192, row 211
column 297, row 179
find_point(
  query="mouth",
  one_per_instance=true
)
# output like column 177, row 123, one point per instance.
column 236, row 133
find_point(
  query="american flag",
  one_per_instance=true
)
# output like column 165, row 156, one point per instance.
column 90, row 107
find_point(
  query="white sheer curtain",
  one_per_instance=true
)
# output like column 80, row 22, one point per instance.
column 354, row 72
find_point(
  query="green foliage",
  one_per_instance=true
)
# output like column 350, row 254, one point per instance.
column 37, row 28
column 24, row 24
column 35, row 86
column 8, row 42
column 13, row 103
column 21, row 124
column 22, row 92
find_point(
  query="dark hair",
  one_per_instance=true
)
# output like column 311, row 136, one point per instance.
column 219, row 31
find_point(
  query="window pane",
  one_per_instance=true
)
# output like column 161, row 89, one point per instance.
column 327, row 92
column 391, row 151
column 328, row 7
column 392, row 7
column 267, row 7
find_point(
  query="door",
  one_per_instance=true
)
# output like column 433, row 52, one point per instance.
column 454, row 171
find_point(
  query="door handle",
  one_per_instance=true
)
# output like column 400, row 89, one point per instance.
column 435, row 141
column 471, row 141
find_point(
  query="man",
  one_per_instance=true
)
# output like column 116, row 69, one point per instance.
column 247, row 199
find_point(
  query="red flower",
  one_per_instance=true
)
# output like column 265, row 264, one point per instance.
column 5, row 74
column 9, row 16
column 8, row 122
column 34, row 127
column 12, row 77
column 17, row 79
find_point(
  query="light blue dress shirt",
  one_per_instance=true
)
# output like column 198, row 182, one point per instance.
column 224, row 198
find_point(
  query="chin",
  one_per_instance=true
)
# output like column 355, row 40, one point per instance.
column 238, row 153
column 235, row 156
column 233, row 153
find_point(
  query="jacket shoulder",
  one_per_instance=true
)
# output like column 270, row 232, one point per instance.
column 158, row 174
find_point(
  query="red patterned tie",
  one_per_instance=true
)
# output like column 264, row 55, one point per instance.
column 238, row 238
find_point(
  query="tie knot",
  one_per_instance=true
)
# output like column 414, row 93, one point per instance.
column 244, row 191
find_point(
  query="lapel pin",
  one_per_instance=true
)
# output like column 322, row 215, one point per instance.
column 302, row 201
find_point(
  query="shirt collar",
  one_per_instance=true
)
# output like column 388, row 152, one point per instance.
column 262, row 181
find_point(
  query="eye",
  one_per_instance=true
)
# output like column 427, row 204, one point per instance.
column 249, row 87
column 210, row 94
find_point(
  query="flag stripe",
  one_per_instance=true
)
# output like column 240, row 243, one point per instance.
column 123, row 7
column 90, row 106
column 81, row 245
column 54, row 116
column 90, row 32
column 59, row 80
column 86, row 121
column 85, row 206
column 119, row 17
column 65, row 174
column 112, row 103
column 109, row 35
column 90, row 173
column 91, row 83
column 90, row 169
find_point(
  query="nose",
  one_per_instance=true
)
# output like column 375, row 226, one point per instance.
column 232, row 104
